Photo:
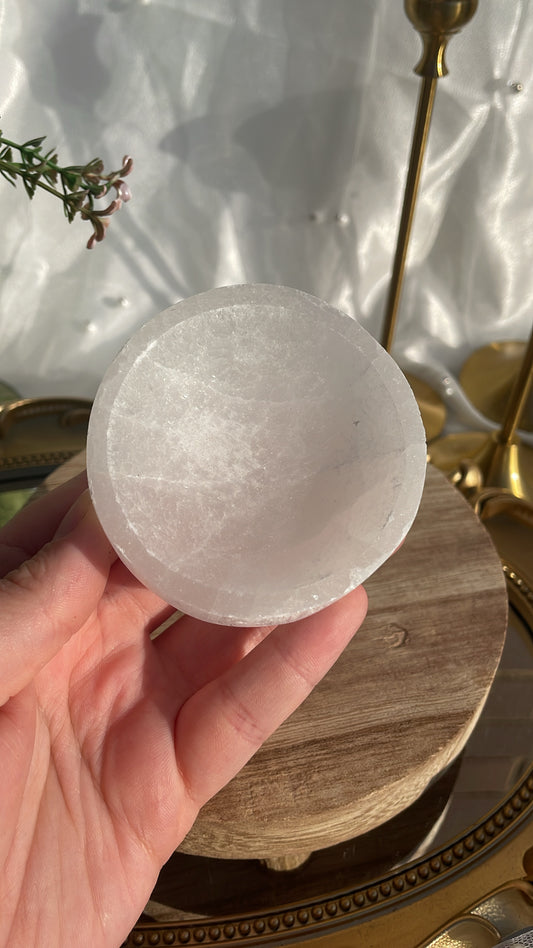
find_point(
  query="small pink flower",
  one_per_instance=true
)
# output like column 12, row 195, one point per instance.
column 115, row 205
column 123, row 190
column 100, row 219
column 100, row 227
column 127, row 165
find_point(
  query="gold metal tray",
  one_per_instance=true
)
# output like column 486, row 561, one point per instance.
column 451, row 871
column 37, row 435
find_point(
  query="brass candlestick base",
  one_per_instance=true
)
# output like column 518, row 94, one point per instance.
column 488, row 376
column 475, row 461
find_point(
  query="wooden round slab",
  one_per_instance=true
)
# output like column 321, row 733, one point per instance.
column 395, row 710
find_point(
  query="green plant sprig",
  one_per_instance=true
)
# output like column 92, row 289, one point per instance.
column 81, row 185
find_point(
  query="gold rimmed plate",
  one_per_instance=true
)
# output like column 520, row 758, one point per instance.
column 481, row 834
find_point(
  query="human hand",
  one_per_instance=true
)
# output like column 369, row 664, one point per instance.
column 110, row 742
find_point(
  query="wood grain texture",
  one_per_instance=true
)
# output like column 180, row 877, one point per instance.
column 392, row 714
column 395, row 710
column 63, row 473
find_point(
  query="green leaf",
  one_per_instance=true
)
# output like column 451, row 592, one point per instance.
column 29, row 187
column 5, row 174
column 70, row 179
column 34, row 142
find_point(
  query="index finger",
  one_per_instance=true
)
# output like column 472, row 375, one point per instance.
column 36, row 524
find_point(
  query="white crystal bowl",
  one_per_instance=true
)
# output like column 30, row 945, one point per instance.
column 253, row 454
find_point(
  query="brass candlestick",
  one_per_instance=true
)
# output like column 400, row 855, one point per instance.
column 477, row 461
column 436, row 21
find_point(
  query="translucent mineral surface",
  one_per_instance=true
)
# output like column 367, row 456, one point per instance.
column 253, row 454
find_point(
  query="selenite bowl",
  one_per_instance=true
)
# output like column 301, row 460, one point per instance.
column 254, row 454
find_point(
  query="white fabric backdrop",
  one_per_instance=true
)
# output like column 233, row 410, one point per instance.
column 270, row 140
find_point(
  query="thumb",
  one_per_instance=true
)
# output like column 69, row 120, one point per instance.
column 50, row 596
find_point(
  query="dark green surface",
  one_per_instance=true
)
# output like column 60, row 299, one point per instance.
column 11, row 501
